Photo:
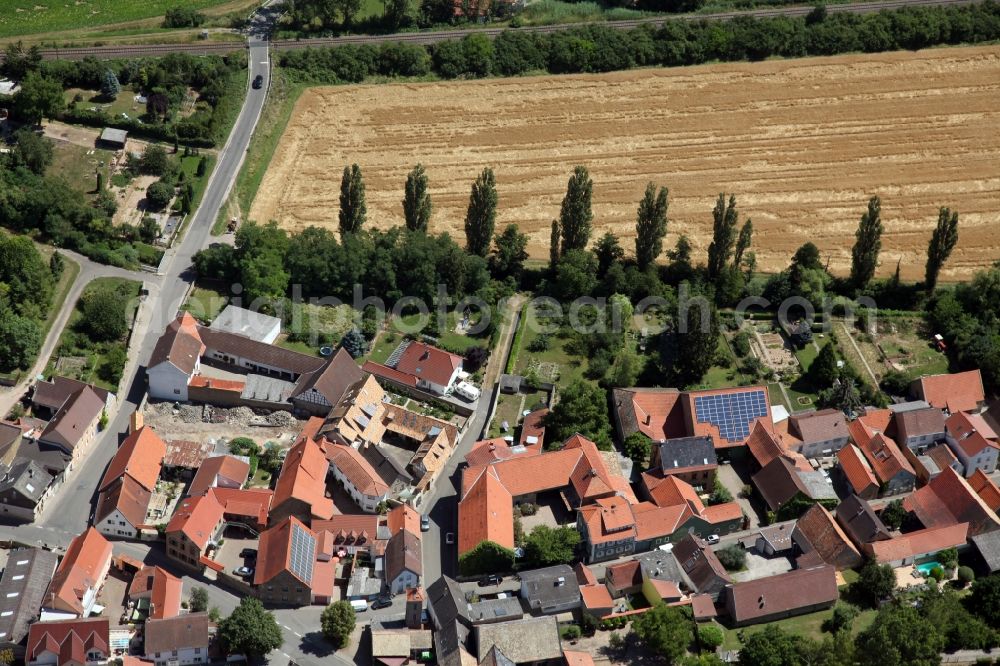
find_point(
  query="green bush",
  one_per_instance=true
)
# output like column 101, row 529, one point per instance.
column 570, row 632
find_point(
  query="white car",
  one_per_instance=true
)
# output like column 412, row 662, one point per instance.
column 713, row 539
column 467, row 391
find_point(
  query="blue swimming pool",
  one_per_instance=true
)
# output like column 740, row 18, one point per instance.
column 926, row 567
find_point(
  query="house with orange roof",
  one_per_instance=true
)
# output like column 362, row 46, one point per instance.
column 789, row 489
column 78, row 578
column 487, row 451
column 194, row 530
column 156, row 591
column 894, row 472
column 301, row 487
column 929, row 464
column 125, row 491
column 247, row 507
column 73, row 427
column 360, row 479
column 532, row 432
column 949, row 499
column 219, row 472
column 175, row 359
column 354, row 532
column 986, row 488
column 419, row 365
column 820, row 433
column 655, row 412
column 914, row 547
column 294, row 566
column 956, row 392
column 973, row 442
column 76, row 642
column 857, row 472
column 817, row 531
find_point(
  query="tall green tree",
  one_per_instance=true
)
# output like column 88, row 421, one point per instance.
column 353, row 209
column 250, row 630
column 690, row 347
column 650, row 225
column 582, row 409
column 743, row 243
column 546, row 546
column 724, row 218
column 18, row 61
column 664, row 630
column 397, row 14
column 510, row 253
column 20, row 339
column 417, row 200
column 575, row 214
column 481, row 216
column 900, row 636
column 109, row 85
column 32, row 150
column 943, row 241
column 104, row 314
column 554, row 237
column 867, row 245
column 39, row 97
column 608, row 251
column 824, row 369
column 337, row 622
column 875, row 582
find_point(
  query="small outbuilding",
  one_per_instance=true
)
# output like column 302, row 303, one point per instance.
column 114, row 138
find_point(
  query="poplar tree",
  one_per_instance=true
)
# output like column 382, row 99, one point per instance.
column 480, row 219
column 743, row 243
column 943, row 241
column 650, row 225
column 353, row 209
column 864, row 254
column 417, row 200
column 575, row 215
column 723, row 235
column 554, row 244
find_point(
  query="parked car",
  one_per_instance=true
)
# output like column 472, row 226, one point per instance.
column 258, row 81
column 425, row 523
column 449, row 538
column 249, row 552
column 244, row 572
column 380, row 603
column 713, row 538
column 491, row 579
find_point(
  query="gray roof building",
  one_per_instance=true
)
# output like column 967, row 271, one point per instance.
column 114, row 136
column 449, row 612
column 860, row 522
column 551, row 590
column 22, row 587
column 662, row 565
column 23, row 484
column 255, row 325
column 685, row 452
column 527, row 641
column 495, row 610
column 988, row 545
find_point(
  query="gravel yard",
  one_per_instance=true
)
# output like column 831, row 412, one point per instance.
column 203, row 423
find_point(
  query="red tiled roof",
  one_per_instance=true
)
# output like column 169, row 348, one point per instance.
column 942, row 456
column 385, row 371
column 783, row 593
column 203, row 381
column 606, row 514
column 126, row 495
column 227, row 467
column 274, row 552
column 885, row 457
column 762, row 445
column 246, row 502
column 68, row 640
column 868, row 424
column 625, row 574
column 494, row 450
column 921, row 542
column 140, row 456
column 430, row 363
column 357, row 469
column 667, row 589
column 825, row 535
column 708, row 429
column 719, row 513
column 161, row 587
column 986, row 489
column 486, row 512
column 70, row 423
column 653, row 521
column 703, row 607
column 657, row 413
column 303, row 477
column 957, row 392
column 857, row 470
column 523, row 476
column 584, row 576
column 88, row 556
column 180, row 344
column 671, row 491
column 949, row 499
column 403, row 517
column 197, row 518
column 531, row 426
column 596, row 597
column 971, row 432
column 574, row 658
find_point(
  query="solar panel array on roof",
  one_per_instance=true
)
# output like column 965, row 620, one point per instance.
column 731, row 413
column 303, row 554
column 370, row 410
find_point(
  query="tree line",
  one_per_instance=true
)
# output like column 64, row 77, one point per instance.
column 27, row 282
column 598, row 48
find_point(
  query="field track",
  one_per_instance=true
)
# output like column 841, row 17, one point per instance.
column 75, row 53
column 802, row 143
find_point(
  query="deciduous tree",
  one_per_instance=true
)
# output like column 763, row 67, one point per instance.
column 942, row 242
column 875, row 582
column 608, row 251
column 250, row 630
column 900, row 636
column 337, row 623
column 582, row 408
column 743, row 244
column 417, row 200
column 509, row 254
column 867, row 245
column 724, row 218
column 650, row 225
column 32, row 150
column 547, row 546
column 664, row 630
column 554, row 238
column 638, row 446
column 39, row 97
column 480, row 218
column 353, row 209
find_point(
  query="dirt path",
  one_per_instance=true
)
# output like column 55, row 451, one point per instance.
column 845, row 332
column 803, row 143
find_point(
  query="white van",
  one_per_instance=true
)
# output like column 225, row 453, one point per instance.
column 359, row 605
column 467, row 391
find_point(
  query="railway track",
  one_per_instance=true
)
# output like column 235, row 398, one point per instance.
column 221, row 48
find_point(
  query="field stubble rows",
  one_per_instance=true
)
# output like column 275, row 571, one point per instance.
column 802, row 143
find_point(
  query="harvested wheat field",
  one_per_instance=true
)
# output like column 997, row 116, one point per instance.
column 802, row 143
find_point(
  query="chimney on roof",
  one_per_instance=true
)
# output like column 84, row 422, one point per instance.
column 135, row 421
column 648, row 419
column 760, row 602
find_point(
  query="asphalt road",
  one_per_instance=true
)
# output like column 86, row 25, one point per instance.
column 431, row 37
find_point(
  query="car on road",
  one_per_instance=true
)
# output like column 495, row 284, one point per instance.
column 713, row 538
column 258, row 82
column 491, row 579
column 425, row 523
column 243, row 572
column 449, row 538
column 249, row 552
column 381, row 603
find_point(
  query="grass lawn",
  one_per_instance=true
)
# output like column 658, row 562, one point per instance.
column 189, row 165
column 296, row 345
column 384, row 345
column 93, row 101
column 260, row 479
column 775, row 396
column 802, row 396
column 448, row 339
column 27, row 17
column 509, row 410
column 809, row 625
column 204, row 303
column 806, row 356
column 719, row 376
column 79, row 165
column 75, row 343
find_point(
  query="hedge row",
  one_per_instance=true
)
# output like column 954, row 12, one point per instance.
column 599, row 48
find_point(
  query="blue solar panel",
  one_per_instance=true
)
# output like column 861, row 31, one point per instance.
column 731, row 413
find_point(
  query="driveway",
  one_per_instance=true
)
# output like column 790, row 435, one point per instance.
column 729, row 478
